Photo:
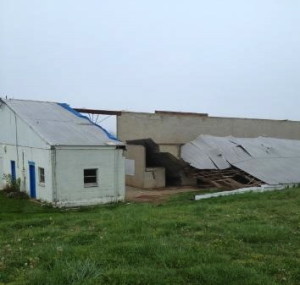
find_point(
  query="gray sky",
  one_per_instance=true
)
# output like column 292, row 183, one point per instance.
column 226, row 58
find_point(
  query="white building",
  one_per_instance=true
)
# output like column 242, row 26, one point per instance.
column 60, row 156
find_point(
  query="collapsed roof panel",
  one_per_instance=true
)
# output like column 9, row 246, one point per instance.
column 192, row 154
column 274, row 170
column 271, row 160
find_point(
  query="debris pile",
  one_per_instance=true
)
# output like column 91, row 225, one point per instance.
column 231, row 178
column 229, row 161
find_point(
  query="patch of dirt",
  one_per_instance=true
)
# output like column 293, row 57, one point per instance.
column 154, row 195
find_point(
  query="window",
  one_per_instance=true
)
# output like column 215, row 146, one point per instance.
column 41, row 175
column 90, row 177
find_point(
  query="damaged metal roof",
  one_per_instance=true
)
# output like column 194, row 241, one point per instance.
column 272, row 160
column 59, row 124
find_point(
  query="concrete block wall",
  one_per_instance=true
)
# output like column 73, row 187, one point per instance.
column 154, row 177
column 170, row 129
column 137, row 154
column 142, row 176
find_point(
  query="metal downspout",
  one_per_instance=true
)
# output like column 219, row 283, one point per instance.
column 54, row 178
column 116, row 176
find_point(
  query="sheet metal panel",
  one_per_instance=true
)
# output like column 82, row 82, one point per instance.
column 273, row 170
column 57, row 125
column 197, row 158
column 272, row 160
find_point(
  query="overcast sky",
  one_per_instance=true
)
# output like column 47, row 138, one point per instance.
column 226, row 58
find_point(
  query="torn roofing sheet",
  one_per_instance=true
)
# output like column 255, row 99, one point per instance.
column 271, row 160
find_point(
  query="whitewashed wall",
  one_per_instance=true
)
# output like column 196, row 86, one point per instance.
column 20, row 143
column 70, row 165
column 41, row 158
column 1, row 169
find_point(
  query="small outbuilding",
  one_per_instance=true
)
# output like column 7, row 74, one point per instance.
column 59, row 155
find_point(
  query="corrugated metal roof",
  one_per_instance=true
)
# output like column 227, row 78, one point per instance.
column 272, row 160
column 59, row 125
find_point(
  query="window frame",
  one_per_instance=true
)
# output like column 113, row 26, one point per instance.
column 85, row 176
column 41, row 172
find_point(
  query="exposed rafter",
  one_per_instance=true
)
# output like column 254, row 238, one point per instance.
column 99, row 112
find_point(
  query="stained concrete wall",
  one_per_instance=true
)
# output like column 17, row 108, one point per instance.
column 170, row 129
column 142, row 176
column 154, row 177
column 170, row 148
column 138, row 155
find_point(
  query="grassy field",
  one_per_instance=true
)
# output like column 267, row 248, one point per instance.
column 242, row 239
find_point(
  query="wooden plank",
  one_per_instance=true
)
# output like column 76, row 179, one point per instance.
column 99, row 112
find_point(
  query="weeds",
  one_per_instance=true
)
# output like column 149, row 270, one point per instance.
column 12, row 187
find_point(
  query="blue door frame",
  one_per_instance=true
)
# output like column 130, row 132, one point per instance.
column 13, row 170
column 32, row 180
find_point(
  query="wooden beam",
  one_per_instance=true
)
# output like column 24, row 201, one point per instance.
column 98, row 112
column 180, row 113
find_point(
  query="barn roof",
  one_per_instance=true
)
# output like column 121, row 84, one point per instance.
column 272, row 160
column 59, row 124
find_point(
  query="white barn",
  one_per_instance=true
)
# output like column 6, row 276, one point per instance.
column 60, row 156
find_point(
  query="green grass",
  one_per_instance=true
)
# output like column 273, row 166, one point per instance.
column 242, row 239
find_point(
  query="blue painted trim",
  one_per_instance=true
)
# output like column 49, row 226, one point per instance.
column 68, row 108
column 32, row 179
column 13, row 170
